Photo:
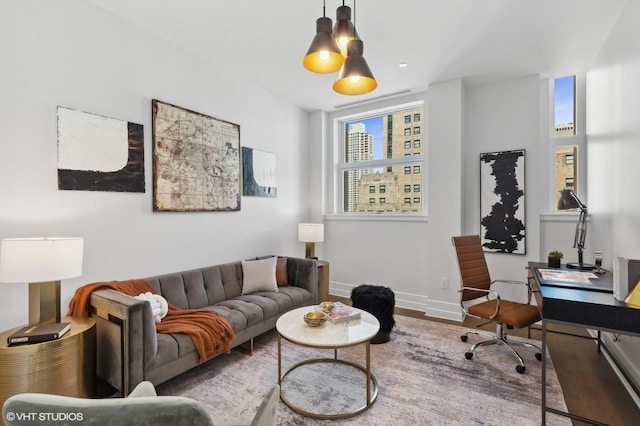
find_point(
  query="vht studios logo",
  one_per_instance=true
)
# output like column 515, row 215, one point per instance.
column 51, row 417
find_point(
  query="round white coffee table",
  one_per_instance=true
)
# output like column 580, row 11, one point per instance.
column 291, row 327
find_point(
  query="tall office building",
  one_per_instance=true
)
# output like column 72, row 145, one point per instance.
column 359, row 148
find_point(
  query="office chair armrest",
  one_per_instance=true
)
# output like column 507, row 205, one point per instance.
column 481, row 290
column 524, row 283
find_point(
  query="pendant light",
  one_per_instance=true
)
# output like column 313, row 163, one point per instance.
column 355, row 77
column 343, row 30
column 324, row 54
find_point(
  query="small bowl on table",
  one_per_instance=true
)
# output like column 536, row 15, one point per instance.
column 327, row 306
column 315, row 318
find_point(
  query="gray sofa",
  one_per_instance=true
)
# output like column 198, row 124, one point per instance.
column 129, row 349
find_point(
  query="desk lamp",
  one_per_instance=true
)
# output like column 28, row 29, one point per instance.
column 569, row 201
column 42, row 262
column 310, row 233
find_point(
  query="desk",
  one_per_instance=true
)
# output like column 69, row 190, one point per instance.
column 582, row 308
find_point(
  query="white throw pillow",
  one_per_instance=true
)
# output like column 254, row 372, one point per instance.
column 259, row 275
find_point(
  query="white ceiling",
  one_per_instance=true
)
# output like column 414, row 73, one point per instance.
column 264, row 41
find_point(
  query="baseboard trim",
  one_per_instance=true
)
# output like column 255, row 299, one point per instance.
column 413, row 302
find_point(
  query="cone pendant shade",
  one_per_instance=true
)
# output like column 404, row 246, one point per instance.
column 323, row 55
column 355, row 77
column 344, row 31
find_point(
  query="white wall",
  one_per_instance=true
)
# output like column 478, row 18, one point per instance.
column 408, row 256
column 613, row 142
column 73, row 54
column 504, row 116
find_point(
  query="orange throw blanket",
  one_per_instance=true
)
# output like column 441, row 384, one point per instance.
column 210, row 331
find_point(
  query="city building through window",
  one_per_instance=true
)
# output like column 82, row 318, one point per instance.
column 378, row 154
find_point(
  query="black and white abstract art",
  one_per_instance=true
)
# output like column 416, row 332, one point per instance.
column 97, row 153
column 502, row 202
column 259, row 173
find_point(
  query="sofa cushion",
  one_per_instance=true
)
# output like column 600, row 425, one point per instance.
column 259, row 275
column 282, row 277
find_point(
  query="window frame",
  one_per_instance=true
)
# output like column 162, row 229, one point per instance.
column 339, row 124
column 579, row 139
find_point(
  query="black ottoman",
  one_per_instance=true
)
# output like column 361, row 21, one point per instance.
column 378, row 301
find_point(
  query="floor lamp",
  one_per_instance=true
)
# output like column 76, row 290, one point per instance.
column 569, row 201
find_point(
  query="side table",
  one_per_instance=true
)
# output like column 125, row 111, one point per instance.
column 65, row 366
column 323, row 281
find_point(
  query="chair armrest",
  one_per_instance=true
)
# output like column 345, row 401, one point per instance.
column 488, row 293
column 151, row 410
column 126, row 338
column 524, row 283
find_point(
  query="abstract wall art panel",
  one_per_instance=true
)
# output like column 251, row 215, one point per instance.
column 196, row 161
column 97, row 153
column 502, row 202
column 259, row 175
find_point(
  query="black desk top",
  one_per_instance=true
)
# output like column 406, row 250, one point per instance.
column 594, row 309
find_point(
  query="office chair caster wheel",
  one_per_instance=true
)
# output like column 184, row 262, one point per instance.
column 538, row 356
column 520, row 368
column 464, row 338
column 468, row 355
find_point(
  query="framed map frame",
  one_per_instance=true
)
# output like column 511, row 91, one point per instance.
column 502, row 202
column 196, row 161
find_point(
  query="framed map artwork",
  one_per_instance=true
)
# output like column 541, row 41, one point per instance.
column 196, row 161
column 502, row 202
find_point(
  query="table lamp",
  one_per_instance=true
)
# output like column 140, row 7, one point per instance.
column 310, row 233
column 42, row 262
column 569, row 201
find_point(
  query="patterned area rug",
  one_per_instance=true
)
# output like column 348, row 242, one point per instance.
column 422, row 374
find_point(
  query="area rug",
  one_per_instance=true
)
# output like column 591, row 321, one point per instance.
column 422, row 374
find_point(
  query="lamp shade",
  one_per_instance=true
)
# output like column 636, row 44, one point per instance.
column 311, row 232
column 344, row 30
column 323, row 55
column 355, row 77
column 40, row 259
column 568, row 200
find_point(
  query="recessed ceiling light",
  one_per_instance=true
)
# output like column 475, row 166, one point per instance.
column 403, row 64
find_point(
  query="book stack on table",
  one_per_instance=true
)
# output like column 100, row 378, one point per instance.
column 341, row 313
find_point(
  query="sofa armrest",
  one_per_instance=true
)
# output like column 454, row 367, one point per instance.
column 126, row 338
column 304, row 273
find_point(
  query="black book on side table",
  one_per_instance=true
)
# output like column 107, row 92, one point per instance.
column 39, row 333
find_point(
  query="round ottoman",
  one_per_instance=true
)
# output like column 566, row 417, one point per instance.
column 379, row 301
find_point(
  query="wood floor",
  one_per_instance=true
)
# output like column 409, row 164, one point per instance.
column 590, row 386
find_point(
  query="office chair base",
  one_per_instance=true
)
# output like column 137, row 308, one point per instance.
column 501, row 339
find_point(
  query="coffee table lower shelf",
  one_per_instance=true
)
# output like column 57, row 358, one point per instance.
column 371, row 392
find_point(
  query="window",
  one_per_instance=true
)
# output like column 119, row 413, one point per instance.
column 569, row 159
column 377, row 151
column 407, row 200
column 568, row 141
column 416, row 187
column 416, row 130
column 416, row 199
column 416, row 117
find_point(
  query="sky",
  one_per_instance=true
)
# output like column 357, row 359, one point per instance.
column 563, row 89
